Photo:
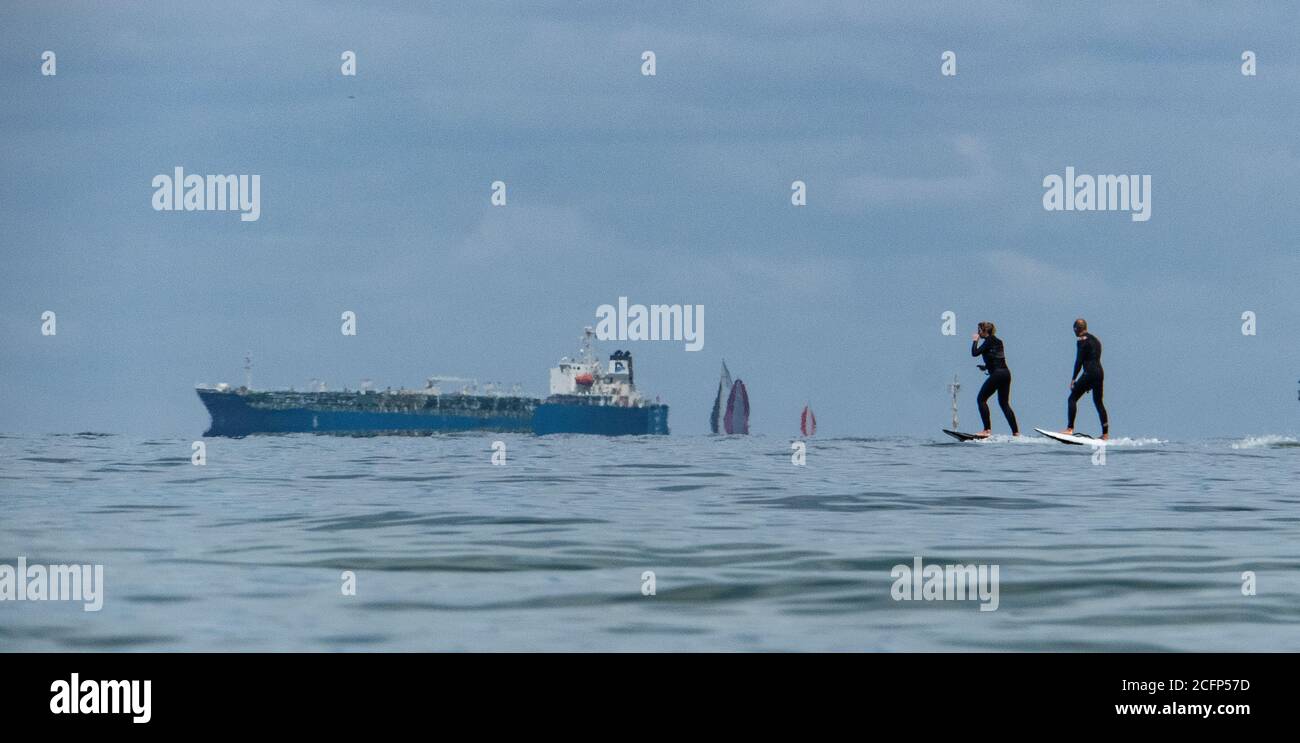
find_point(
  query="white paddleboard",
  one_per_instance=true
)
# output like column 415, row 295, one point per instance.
column 1076, row 439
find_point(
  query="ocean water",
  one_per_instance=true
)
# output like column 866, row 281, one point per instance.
column 748, row 550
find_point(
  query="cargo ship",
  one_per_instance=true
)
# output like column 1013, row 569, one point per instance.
column 587, row 396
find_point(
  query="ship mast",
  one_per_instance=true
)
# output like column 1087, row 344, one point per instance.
column 248, row 370
column 585, row 354
column 953, row 388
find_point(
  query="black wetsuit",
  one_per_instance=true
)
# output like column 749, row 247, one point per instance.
column 995, row 362
column 1088, row 359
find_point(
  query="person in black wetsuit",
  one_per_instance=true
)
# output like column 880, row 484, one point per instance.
column 1087, row 359
column 995, row 363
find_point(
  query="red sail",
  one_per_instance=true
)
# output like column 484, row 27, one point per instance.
column 807, row 422
column 737, row 418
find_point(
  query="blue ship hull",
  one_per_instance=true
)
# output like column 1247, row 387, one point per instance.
column 244, row 413
column 557, row 415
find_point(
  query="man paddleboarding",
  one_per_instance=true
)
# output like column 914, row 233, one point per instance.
column 995, row 363
column 1087, row 358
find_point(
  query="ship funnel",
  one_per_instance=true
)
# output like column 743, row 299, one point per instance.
column 620, row 362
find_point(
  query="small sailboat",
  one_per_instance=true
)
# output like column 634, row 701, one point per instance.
column 736, row 419
column 720, row 404
column 730, row 407
column 807, row 422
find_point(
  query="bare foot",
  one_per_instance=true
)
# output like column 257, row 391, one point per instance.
column 1068, row 432
column 1017, row 433
column 1105, row 437
column 984, row 434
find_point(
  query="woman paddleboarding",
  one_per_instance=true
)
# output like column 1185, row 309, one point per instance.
column 999, row 381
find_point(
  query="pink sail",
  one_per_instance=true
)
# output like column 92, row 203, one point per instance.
column 807, row 422
column 736, row 419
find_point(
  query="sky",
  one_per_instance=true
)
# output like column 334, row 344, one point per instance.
column 924, row 195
